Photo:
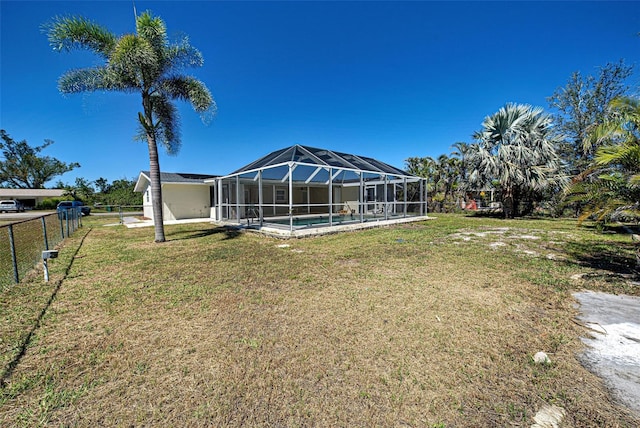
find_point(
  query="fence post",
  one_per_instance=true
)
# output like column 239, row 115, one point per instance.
column 61, row 227
column 67, row 217
column 44, row 233
column 14, row 257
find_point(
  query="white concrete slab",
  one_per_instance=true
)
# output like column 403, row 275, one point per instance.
column 132, row 222
column 613, row 351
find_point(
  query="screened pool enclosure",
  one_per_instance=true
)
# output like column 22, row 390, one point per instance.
column 302, row 186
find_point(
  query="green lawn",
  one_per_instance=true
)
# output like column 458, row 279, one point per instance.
column 426, row 324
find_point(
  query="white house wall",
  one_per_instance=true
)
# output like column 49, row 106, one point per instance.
column 185, row 201
column 350, row 198
column 182, row 201
column 147, row 207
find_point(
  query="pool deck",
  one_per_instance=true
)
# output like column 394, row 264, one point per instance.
column 133, row 222
column 282, row 230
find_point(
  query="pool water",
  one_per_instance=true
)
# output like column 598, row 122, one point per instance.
column 315, row 220
column 323, row 219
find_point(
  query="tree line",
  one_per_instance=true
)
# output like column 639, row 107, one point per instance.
column 583, row 160
column 97, row 193
column 119, row 192
column 23, row 166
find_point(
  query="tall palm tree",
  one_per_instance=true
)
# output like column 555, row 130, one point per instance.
column 461, row 152
column 461, row 149
column 517, row 148
column 144, row 63
column 449, row 172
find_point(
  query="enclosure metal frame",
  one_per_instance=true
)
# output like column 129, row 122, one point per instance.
column 241, row 211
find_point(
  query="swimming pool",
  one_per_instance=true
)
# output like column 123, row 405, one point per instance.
column 318, row 220
column 314, row 220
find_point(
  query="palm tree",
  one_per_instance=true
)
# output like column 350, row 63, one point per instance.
column 611, row 185
column 461, row 149
column 449, row 170
column 144, row 63
column 517, row 148
column 442, row 176
column 422, row 167
column 621, row 132
column 461, row 153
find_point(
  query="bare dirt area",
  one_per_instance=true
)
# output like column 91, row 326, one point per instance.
column 402, row 326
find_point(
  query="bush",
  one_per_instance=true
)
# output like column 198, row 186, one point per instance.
column 50, row 203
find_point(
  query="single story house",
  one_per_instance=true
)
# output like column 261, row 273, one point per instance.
column 297, row 186
column 184, row 195
column 30, row 197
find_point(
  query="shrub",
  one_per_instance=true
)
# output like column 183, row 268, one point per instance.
column 50, row 203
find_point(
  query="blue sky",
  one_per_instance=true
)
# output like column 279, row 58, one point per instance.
column 389, row 80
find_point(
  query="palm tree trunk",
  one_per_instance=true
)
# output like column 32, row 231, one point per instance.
column 507, row 202
column 156, row 188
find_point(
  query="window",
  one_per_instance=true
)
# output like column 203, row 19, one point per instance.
column 281, row 195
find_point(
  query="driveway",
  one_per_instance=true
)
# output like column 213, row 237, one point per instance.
column 8, row 217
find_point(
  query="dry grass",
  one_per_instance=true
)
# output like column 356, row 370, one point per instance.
column 414, row 325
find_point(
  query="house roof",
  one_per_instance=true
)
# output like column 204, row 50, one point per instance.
column 31, row 193
column 180, row 177
column 296, row 153
column 171, row 177
column 321, row 157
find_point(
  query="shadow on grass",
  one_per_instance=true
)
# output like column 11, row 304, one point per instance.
column 488, row 213
column 229, row 232
column 617, row 229
column 498, row 214
column 616, row 258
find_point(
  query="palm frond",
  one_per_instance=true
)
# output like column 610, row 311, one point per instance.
column 81, row 80
column 625, row 155
column 634, row 180
column 153, row 30
column 135, row 59
column 67, row 33
column 190, row 89
column 183, row 55
column 167, row 124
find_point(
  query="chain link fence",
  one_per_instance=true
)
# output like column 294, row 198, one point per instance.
column 22, row 242
column 128, row 210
